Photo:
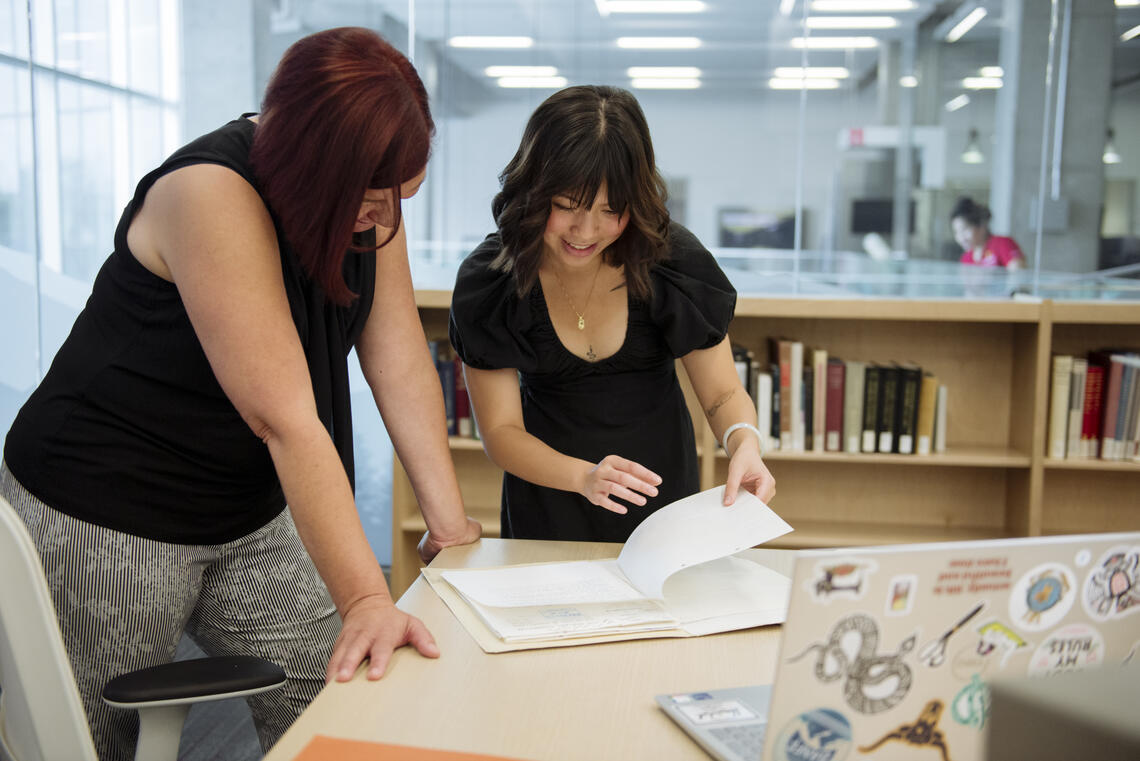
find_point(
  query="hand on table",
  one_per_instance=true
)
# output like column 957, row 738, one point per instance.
column 372, row 628
column 430, row 545
column 618, row 477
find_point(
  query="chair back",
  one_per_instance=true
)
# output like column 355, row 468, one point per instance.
column 41, row 713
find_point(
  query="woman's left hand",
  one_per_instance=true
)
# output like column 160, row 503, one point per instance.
column 747, row 469
column 372, row 628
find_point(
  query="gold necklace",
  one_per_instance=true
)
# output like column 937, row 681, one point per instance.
column 582, row 314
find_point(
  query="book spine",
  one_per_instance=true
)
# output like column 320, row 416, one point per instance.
column 870, row 407
column 1076, row 407
column 819, row 399
column 940, row 415
column 1090, row 426
column 907, row 420
column 774, row 369
column 808, row 409
column 786, row 416
column 1124, row 416
column 1059, row 405
column 796, row 402
column 1111, row 406
column 853, row 405
column 764, row 407
column 833, row 430
column 888, row 398
column 446, row 370
column 927, row 401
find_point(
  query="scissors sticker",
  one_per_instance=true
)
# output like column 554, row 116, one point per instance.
column 933, row 654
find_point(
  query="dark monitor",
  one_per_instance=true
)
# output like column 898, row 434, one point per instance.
column 875, row 215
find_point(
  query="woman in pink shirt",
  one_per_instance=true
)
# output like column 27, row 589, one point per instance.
column 970, row 222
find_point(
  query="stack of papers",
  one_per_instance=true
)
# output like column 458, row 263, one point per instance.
column 676, row 576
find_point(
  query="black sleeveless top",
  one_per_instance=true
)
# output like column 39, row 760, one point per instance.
column 130, row 429
column 629, row 404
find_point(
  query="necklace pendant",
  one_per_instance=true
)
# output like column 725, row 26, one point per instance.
column 590, row 355
column 581, row 322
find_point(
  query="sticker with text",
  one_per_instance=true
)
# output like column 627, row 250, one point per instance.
column 973, row 576
column 900, row 594
column 1075, row 647
column 716, row 711
column 873, row 682
column 1042, row 597
column 1112, row 589
column 821, row 734
column 842, row 578
column 922, row 733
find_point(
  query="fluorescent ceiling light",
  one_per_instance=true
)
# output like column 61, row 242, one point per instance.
column 665, row 83
column 1127, row 3
column 1133, row 32
column 863, row 6
column 981, row 83
column 520, row 71
column 490, row 42
column 834, row 43
column 964, row 23
column 786, row 7
column 532, row 82
column 851, row 22
column 961, row 101
column 995, row 71
column 806, row 83
column 606, row 7
column 795, row 72
column 908, row 80
column 658, row 43
column 667, row 72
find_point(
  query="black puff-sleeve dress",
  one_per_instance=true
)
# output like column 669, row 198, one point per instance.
column 629, row 404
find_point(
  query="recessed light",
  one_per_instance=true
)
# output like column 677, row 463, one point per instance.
column 961, row 101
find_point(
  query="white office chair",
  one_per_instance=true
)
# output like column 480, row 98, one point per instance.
column 41, row 713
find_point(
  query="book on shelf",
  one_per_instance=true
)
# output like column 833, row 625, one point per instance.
column 677, row 576
column 774, row 434
column 819, row 400
column 888, row 398
column 924, row 427
column 463, row 425
column 741, row 358
column 807, row 409
column 1076, row 407
column 1129, row 401
column 764, row 408
column 796, row 396
column 780, row 352
column 871, row 397
column 940, row 415
column 1059, row 404
column 833, row 406
column 445, row 368
column 906, row 415
column 1090, row 421
column 853, row 405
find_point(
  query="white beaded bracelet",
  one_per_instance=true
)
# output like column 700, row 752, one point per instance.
column 737, row 426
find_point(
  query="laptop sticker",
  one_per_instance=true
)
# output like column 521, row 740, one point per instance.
column 1071, row 648
column 900, row 594
column 841, row 578
column 933, row 654
column 995, row 638
column 821, row 734
column 716, row 711
column 1113, row 588
column 923, row 733
column 1042, row 597
column 971, row 706
column 873, row 682
column 973, row 576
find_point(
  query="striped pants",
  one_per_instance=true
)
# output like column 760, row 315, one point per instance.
column 123, row 603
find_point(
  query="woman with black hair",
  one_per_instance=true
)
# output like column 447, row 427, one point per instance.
column 970, row 222
column 568, row 320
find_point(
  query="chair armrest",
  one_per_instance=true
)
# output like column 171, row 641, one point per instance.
column 193, row 681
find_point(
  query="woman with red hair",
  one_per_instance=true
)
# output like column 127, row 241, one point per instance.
column 204, row 387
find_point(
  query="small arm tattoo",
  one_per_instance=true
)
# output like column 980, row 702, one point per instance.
column 718, row 404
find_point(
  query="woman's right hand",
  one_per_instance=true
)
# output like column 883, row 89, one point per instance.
column 618, row 477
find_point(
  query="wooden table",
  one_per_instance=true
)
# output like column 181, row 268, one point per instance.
column 587, row 703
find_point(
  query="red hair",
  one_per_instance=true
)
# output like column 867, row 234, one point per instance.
column 344, row 111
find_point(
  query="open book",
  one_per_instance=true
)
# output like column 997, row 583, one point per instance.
column 675, row 577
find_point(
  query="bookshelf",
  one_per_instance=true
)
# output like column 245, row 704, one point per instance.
column 993, row 480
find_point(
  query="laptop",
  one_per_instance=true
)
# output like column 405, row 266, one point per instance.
column 887, row 652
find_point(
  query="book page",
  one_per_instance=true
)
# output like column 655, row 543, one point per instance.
column 573, row 583
column 547, row 622
column 695, row 530
column 705, row 597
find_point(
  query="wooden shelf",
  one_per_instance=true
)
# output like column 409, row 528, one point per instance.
column 1104, row 465
column 813, row 534
column 993, row 357
column 973, row 457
